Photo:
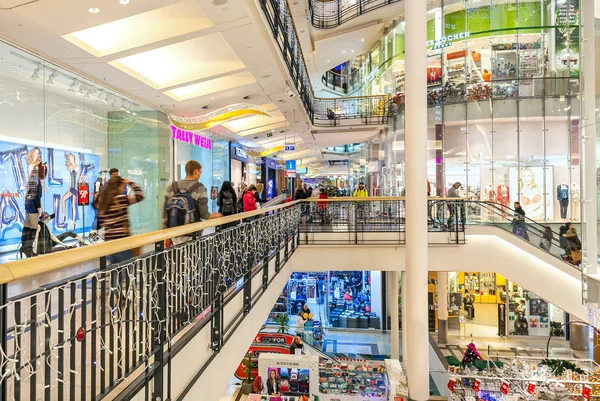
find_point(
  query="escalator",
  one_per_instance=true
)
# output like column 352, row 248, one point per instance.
column 471, row 215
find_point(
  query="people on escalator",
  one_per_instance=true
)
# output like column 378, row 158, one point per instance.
column 546, row 241
column 570, row 242
column 296, row 344
column 518, row 223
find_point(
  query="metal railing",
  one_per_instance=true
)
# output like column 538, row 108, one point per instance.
column 503, row 217
column 322, row 112
column 79, row 338
column 333, row 13
column 344, row 83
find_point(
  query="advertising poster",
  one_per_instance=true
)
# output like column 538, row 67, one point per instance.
column 567, row 37
column 66, row 171
column 527, row 186
column 434, row 71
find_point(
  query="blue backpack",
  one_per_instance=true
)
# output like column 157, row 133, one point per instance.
column 181, row 208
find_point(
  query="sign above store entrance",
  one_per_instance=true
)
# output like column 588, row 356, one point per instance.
column 446, row 41
column 191, row 138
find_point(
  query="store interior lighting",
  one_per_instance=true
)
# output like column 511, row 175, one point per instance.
column 50, row 80
column 36, row 73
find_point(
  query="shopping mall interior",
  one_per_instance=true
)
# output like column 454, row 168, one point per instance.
column 299, row 200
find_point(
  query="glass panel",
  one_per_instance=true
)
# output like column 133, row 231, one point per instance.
column 533, row 179
column 455, row 147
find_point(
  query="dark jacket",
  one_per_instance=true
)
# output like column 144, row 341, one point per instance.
column 33, row 199
column 300, row 194
column 295, row 346
column 226, row 194
column 270, row 389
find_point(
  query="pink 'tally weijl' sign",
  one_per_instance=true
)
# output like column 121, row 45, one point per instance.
column 191, row 138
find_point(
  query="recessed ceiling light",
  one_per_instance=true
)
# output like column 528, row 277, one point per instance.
column 124, row 2
column 94, row 10
column 328, row 61
column 219, row 2
column 362, row 40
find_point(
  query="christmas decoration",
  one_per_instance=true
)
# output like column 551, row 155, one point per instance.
column 587, row 391
column 81, row 334
column 451, row 384
column 531, row 387
column 504, row 387
column 476, row 384
column 471, row 355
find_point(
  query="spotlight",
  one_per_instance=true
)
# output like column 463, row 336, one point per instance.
column 36, row 73
column 124, row 2
column 289, row 92
column 94, row 10
column 50, row 80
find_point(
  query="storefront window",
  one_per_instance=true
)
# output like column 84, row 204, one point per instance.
column 80, row 130
column 337, row 299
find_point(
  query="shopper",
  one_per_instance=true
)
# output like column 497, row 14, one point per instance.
column 307, row 191
column 361, row 191
column 190, row 194
column 469, row 308
column 518, row 223
column 296, row 344
column 249, row 199
column 258, row 195
column 455, row 206
column 315, row 192
column 322, row 208
column 573, row 244
column 113, row 214
column 33, row 209
column 273, row 384
column 227, row 199
column 300, row 324
column 546, row 241
column 305, row 312
column 300, row 193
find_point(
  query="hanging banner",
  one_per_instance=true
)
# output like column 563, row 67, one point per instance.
column 83, row 198
column 567, row 38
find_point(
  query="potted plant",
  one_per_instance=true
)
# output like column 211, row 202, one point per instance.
column 282, row 321
column 249, row 380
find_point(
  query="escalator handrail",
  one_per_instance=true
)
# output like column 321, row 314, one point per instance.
column 500, row 210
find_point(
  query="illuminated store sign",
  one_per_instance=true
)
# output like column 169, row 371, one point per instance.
column 191, row 138
column 446, row 41
column 238, row 153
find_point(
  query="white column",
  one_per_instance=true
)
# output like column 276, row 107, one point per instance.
column 442, row 301
column 417, row 334
column 588, row 187
column 393, row 302
column 404, row 322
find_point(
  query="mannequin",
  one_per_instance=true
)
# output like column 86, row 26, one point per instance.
column 503, row 196
column 575, row 196
column 488, row 194
column 562, row 195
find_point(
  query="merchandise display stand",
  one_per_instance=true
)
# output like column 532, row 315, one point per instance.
column 342, row 380
column 526, row 378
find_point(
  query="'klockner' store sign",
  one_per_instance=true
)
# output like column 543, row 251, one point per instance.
column 446, row 41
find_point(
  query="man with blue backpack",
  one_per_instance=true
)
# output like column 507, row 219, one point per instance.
column 186, row 201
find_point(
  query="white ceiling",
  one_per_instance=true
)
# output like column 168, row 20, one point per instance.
column 188, row 57
column 164, row 45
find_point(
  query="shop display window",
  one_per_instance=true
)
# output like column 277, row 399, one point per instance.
column 81, row 129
